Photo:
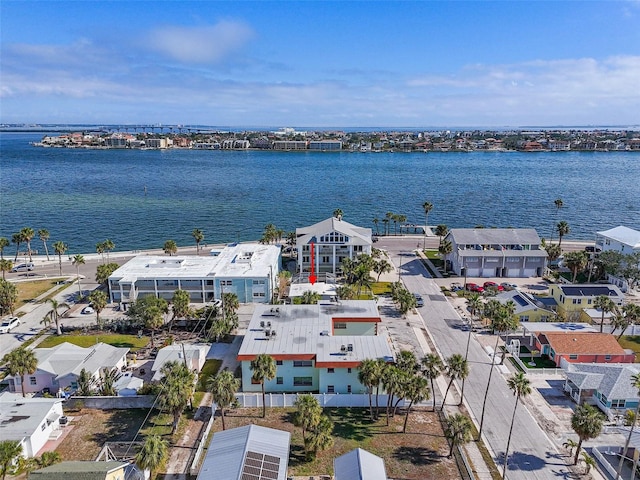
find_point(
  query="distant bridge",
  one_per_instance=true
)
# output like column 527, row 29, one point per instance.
column 156, row 129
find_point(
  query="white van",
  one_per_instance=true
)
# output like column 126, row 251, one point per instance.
column 23, row 267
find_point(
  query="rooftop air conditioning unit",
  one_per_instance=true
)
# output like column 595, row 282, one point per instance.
column 273, row 333
column 268, row 324
column 324, row 333
column 261, row 323
column 350, row 347
column 343, row 348
column 267, row 333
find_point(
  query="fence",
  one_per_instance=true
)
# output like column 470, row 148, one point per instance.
column 604, row 462
column 202, row 442
column 536, row 371
column 326, row 400
column 110, row 403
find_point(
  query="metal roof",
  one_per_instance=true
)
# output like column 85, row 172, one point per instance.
column 66, row 358
column 236, row 450
column 359, row 464
column 79, row 470
column 623, row 234
column 495, row 236
column 20, row 417
column 611, row 379
column 357, row 235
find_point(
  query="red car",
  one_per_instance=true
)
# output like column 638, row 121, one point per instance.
column 474, row 287
column 493, row 285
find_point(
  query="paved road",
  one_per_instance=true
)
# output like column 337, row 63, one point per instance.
column 532, row 453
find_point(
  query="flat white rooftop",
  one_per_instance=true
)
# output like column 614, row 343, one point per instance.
column 305, row 331
column 247, row 260
column 557, row 327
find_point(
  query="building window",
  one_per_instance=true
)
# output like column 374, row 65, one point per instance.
column 305, row 259
column 348, row 388
column 573, row 357
column 607, row 357
column 43, row 427
column 331, row 370
column 209, row 282
column 278, row 362
column 302, row 381
column 279, row 381
column 326, row 259
column 331, row 389
column 524, row 318
column 32, row 381
column 258, row 294
column 258, row 282
column 589, row 301
column 577, row 301
column 617, row 403
column 226, row 283
column 303, row 363
column 348, row 370
column 340, row 326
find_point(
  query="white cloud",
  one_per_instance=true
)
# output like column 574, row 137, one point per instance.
column 200, row 45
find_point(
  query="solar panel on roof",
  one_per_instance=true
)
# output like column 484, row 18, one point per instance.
column 260, row 467
column 520, row 301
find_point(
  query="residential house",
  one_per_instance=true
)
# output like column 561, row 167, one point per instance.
column 582, row 347
column 193, row 355
column 359, row 464
column 128, row 385
column 608, row 386
column 620, row 239
column 528, row 308
column 333, row 240
column 251, row 452
column 289, row 145
column 30, row 421
column 317, row 348
column 86, row 470
column 325, row 145
column 496, row 252
column 572, row 299
column 250, row 270
column 59, row 366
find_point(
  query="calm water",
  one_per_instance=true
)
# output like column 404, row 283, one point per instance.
column 85, row 196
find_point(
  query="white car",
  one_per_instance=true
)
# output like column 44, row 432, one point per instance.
column 9, row 323
column 23, row 267
column 88, row 309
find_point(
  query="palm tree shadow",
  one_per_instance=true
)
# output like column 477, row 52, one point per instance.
column 417, row 455
column 296, row 455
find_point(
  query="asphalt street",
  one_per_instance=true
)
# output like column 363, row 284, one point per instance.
column 532, row 454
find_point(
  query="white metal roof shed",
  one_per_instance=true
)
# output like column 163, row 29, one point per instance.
column 359, row 464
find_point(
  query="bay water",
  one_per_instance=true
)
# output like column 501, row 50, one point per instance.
column 141, row 198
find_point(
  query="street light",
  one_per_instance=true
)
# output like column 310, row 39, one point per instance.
column 400, row 269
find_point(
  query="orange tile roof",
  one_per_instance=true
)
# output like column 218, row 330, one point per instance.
column 586, row 343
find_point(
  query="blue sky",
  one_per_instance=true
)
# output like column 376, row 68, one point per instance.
column 324, row 64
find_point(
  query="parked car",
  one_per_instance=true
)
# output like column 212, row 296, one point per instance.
column 23, row 267
column 88, row 309
column 455, row 286
column 486, row 285
column 474, row 287
column 508, row 286
column 9, row 323
column 592, row 249
column 419, row 300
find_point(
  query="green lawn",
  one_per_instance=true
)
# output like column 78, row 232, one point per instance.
column 381, row 288
column 540, row 362
column 29, row 291
column 209, row 369
column 127, row 341
column 631, row 342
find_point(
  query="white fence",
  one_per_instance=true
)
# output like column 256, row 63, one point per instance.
column 328, row 400
column 537, row 371
column 202, row 440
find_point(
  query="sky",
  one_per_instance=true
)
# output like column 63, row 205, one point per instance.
column 321, row 63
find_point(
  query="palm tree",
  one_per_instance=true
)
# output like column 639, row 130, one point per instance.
column 43, row 234
column 385, row 222
column 98, row 300
column 605, row 305
column 4, row 243
column 60, row 248
column 589, row 462
column 367, row 375
column 391, row 382
column 635, row 383
column 427, row 207
column 5, row 266
column 49, row 458
column 445, row 248
column 100, row 249
column 559, row 204
column 562, row 229
column 441, row 231
column 337, row 213
column 417, row 391
column 375, row 222
column 153, row 453
column 10, row 450
column 198, row 236
column 223, row 388
column 77, row 261
column 501, row 321
column 402, row 219
column 320, row 437
column 108, row 246
column 457, row 431
column 521, row 387
column 170, row 247
column 27, row 236
column 176, row 390
column 570, row 444
column 8, row 296
column 474, row 303
column 53, row 315
column 17, row 238
column 309, row 297
column 456, row 368
column 381, row 266
column 308, row 413
column 388, row 217
column 263, row 368
column 576, row 262
column 20, row 362
column 86, row 383
column 433, row 367
column 587, row 422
